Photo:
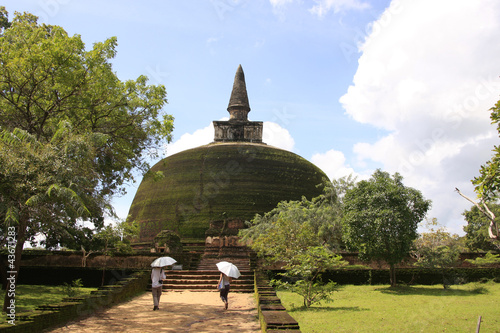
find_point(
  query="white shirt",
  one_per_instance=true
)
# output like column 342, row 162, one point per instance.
column 157, row 274
column 225, row 280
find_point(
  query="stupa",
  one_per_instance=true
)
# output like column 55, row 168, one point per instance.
column 233, row 178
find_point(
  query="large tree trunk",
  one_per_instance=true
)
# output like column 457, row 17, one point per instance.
column 16, row 243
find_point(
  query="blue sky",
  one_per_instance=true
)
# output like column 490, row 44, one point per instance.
column 350, row 85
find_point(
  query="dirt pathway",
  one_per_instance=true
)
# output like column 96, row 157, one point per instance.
column 179, row 312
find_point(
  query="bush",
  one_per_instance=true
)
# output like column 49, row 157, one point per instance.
column 170, row 240
column 72, row 289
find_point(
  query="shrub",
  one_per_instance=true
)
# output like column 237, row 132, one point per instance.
column 72, row 289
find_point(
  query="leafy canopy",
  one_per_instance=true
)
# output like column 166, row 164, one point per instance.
column 305, row 273
column 47, row 77
column 487, row 184
column 437, row 248
column 300, row 237
column 70, row 131
column 381, row 216
column 307, row 223
column 476, row 230
column 46, row 184
column 57, row 98
column 489, row 259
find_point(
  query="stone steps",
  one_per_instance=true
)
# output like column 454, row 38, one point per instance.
column 205, row 280
column 205, row 275
column 207, row 264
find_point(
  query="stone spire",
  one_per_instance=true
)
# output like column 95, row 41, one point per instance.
column 238, row 128
column 238, row 103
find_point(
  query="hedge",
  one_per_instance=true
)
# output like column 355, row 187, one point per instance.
column 424, row 276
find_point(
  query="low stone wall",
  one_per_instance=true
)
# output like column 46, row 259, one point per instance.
column 96, row 260
column 272, row 314
column 51, row 315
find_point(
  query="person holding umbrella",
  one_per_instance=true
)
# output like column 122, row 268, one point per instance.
column 157, row 277
column 228, row 271
column 223, row 286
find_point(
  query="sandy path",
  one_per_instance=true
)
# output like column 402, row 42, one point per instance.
column 179, row 312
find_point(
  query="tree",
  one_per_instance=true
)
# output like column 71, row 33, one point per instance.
column 487, row 184
column 437, row 248
column 489, row 259
column 117, row 236
column 318, row 217
column 71, row 131
column 476, row 230
column 300, row 236
column 4, row 19
column 42, row 184
column 483, row 206
column 47, row 76
column 381, row 216
column 305, row 271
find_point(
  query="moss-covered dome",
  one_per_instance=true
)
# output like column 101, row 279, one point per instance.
column 221, row 180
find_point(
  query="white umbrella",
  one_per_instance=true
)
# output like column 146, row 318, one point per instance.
column 163, row 261
column 229, row 269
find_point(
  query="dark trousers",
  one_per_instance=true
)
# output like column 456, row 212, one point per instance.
column 223, row 293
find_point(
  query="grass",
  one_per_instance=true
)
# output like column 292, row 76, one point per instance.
column 401, row 309
column 28, row 297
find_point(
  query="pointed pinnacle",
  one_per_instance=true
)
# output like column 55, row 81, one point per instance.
column 239, row 97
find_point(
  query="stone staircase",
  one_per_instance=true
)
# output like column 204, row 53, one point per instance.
column 206, row 275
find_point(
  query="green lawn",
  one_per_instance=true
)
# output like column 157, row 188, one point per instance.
column 28, row 297
column 401, row 309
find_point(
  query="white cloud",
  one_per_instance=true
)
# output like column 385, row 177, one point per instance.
column 200, row 137
column 279, row 3
column 429, row 76
column 324, row 6
column 273, row 135
column 277, row 136
column 333, row 163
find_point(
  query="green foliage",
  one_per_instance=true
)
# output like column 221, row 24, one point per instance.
column 437, row 248
column 311, row 292
column 381, row 216
column 71, row 131
column 72, row 289
column 4, row 19
column 488, row 260
column 42, row 186
column 306, row 223
column 487, row 184
column 305, row 269
column 169, row 239
column 477, row 237
column 301, row 236
column 51, row 87
column 117, row 236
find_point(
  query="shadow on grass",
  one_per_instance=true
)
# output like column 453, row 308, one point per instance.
column 327, row 308
column 408, row 290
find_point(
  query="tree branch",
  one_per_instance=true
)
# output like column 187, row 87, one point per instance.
column 486, row 212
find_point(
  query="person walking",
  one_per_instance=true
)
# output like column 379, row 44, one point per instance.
column 157, row 277
column 223, row 286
